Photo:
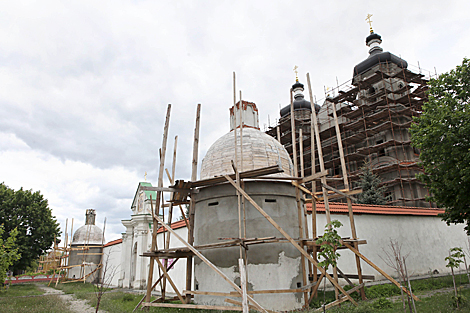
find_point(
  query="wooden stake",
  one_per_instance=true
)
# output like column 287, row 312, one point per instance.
column 378, row 269
column 170, row 209
column 292, row 127
column 289, row 238
column 189, row 260
column 212, row 266
column 243, row 282
column 320, row 152
column 157, row 207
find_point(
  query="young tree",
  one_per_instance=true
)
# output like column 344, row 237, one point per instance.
column 442, row 134
column 371, row 192
column 453, row 261
column 29, row 213
column 8, row 251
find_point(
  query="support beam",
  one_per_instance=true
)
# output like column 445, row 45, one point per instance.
column 288, row 237
column 212, row 266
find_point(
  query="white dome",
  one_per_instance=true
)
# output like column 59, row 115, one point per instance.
column 259, row 150
column 88, row 235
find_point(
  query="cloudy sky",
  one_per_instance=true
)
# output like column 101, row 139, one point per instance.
column 85, row 84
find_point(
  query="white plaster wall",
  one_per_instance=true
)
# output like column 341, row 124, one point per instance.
column 112, row 264
column 425, row 239
column 178, row 272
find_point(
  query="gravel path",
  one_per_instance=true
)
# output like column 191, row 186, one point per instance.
column 75, row 305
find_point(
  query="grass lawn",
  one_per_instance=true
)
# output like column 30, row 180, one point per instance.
column 15, row 300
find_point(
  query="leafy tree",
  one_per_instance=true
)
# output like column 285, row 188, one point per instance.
column 453, row 261
column 442, row 134
column 8, row 251
column 29, row 213
column 329, row 242
column 371, row 192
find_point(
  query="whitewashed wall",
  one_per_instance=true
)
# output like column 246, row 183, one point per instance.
column 426, row 241
column 112, row 264
column 178, row 272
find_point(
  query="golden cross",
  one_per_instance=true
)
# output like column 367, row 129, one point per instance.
column 296, row 72
column 145, row 176
column 369, row 22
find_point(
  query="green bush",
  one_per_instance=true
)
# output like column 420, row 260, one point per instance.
column 378, row 291
column 382, row 303
column 127, row 297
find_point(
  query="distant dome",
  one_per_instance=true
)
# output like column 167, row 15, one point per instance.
column 88, row 235
column 259, row 150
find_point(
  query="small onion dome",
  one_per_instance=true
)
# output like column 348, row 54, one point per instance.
column 299, row 101
column 371, row 37
column 259, row 150
column 297, row 85
column 88, row 235
column 377, row 56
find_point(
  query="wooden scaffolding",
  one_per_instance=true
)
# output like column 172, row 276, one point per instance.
column 62, row 253
column 181, row 192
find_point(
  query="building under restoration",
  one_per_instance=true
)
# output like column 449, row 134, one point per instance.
column 374, row 110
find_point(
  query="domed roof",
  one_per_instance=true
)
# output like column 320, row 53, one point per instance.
column 259, row 150
column 377, row 56
column 88, row 235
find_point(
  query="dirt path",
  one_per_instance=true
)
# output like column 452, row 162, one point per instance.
column 75, row 305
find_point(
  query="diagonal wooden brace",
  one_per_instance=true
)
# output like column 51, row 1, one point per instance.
column 378, row 269
column 205, row 260
column 292, row 241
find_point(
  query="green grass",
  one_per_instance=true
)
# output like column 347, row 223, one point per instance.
column 18, row 290
column 389, row 290
column 15, row 300
column 441, row 303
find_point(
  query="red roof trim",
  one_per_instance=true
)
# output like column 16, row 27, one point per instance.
column 112, row 243
column 174, row 225
column 337, row 207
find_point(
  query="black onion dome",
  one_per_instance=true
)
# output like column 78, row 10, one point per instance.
column 377, row 56
column 299, row 104
column 373, row 36
column 297, row 85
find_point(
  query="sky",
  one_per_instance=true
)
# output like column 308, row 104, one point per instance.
column 85, row 84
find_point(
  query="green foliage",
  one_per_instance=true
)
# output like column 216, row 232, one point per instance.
column 8, row 251
column 442, row 134
column 455, row 257
column 30, row 214
column 371, row 192
column 329, row 243
column 127, row 297
column 382, row 303
column 379, row 291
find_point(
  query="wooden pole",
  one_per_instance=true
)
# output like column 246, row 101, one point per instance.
column 289, row 238
column 170, row 209
column 243, row 283
column 292, row 128
column 320, row 152
column 301, row 144
column 189, row 260
column 157, row 207
column 378, row 269
column 212, row 266
column 346, row 186
column 314, row 187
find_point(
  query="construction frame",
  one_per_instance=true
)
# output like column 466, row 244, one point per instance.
column 181, row 192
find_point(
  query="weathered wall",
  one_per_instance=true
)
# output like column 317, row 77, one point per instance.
column 271, row 266
column 112, row 268
column 425, row 239
column 76, row 257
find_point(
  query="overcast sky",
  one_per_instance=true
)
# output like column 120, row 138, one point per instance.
column 85, row 84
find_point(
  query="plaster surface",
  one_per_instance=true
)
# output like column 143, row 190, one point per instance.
column 270, row 266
